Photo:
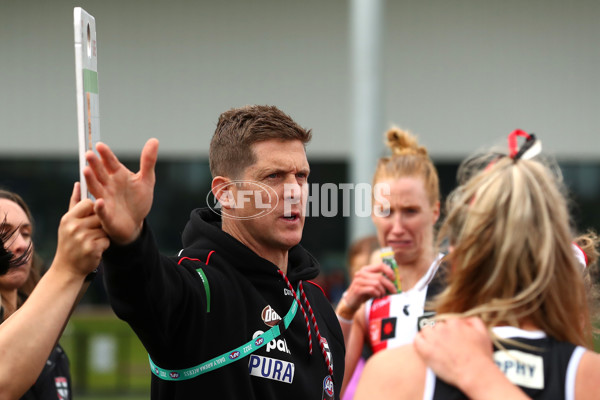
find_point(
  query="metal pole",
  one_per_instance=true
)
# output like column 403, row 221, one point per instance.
column 367, row 103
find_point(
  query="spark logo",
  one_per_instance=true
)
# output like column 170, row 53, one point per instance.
column 275, row 344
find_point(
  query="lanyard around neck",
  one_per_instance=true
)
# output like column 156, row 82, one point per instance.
column 230, row 356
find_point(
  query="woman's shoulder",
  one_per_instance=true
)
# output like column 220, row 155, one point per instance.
column 392, row 356
column 588, row 376
column 392, row 372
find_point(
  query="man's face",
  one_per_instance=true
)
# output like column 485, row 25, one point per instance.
column 270, row 202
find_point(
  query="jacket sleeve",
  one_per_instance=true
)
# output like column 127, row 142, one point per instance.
column 153, row 294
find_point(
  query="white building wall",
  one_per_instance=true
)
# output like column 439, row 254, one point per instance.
column 461, row 73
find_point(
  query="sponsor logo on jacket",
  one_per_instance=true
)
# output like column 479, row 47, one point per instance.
column 275, row 344
column 269, row 316
column 271, row 368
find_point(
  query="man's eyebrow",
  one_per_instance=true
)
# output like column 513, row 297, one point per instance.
column 273, row 169
column 269, row 170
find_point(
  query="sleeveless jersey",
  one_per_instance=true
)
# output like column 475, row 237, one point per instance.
column 546, row 372
column 393, row 320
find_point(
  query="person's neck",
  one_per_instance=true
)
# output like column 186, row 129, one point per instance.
column 528, row 325
column 525, row 323
column 411, row 273
column 279, row 257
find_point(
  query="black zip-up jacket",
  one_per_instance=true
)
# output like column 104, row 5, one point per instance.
column 182, row 322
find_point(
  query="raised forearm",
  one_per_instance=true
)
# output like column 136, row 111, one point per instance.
column 28, row 336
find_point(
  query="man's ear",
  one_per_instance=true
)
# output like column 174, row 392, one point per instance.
column 221, row 188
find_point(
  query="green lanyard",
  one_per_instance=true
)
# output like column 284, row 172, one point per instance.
column 228, row 357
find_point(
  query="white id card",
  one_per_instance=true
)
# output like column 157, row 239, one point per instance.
column 86, row 81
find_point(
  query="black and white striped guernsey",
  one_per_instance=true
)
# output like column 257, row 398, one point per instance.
column 548, row 372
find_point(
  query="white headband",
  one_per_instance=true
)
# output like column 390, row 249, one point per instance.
column 580, row 255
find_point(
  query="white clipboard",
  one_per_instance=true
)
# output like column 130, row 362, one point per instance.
column 86, row 81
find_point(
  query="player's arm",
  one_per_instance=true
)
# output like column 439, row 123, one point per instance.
column 354, row 346
column 30, row 334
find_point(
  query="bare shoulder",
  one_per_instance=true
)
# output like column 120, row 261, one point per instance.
column 588, row 376
column 393, row 374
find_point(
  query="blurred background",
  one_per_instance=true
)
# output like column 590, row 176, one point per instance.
column 460, row 74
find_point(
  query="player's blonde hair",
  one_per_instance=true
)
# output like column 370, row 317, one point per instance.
column 512, row 259
column 408, row 159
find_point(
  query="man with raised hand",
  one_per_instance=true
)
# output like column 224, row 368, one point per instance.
column 234, row 313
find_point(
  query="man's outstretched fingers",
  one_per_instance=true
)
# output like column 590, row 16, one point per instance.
column 148, row 159
column 93, row 185
column 96, row 168
column 109, row 159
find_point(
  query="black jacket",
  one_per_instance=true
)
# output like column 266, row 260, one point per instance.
column 183, row 323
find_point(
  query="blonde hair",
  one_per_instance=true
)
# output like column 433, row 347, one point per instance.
column 588, row 242
column 512, row 259
column 408, row 159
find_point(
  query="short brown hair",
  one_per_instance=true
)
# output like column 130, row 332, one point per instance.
column 239, row 128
